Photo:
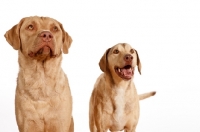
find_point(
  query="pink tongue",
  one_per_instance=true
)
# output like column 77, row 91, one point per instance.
column 126, row 72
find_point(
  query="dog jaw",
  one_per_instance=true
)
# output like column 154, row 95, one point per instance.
column 45, row 50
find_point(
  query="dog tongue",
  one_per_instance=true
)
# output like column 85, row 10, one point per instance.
column 126, row 72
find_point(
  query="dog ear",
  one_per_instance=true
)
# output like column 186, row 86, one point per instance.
column 13, row 35
column 67, row 40
column 138, row 63
column 103, row 61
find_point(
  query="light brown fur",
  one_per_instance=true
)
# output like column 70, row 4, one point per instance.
column 43, row 101
column 114, row 103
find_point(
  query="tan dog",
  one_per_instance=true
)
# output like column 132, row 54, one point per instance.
column 43, row 101
column 114, row 103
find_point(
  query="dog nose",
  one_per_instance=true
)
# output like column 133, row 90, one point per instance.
column 46, row 36
column 128, row 58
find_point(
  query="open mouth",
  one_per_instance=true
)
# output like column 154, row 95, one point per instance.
column 125, row 72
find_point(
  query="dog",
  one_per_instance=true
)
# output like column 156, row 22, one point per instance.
column 43, row 101
column 114, row 102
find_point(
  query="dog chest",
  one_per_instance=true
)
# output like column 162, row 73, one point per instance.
column 39, row 85
column 119, row 104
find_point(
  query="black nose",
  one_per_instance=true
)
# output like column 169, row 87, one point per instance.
column 46, row 36
column 128, row 58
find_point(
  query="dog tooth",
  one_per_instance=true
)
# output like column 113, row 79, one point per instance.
column 119, row 70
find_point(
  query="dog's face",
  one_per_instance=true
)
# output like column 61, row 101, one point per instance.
column 39, row 37
column 120, row 61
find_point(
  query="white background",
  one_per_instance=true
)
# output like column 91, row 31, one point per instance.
column 166, row 33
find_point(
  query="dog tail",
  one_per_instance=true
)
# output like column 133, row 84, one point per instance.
column 146, row 95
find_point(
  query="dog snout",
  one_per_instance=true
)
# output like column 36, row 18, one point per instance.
column 46, row 36
column 128, row 58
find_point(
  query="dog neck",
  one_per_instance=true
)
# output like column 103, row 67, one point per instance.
column 44, row 75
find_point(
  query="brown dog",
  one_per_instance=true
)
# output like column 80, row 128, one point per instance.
column 43, row 101
column 114, row 103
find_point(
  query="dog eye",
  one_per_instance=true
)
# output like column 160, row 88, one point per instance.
column 132, row 51
column 116, row 51
column 30, row 27
column 55, row 28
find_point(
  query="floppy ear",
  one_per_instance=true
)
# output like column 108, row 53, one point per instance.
column 67, row 40
column 103, row 61
column 138, row 63
column 13, row 35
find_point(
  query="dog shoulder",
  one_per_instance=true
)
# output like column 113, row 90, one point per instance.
column 100, row 94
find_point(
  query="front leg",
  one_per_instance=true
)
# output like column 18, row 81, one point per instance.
column 101, row 119
column 71, row 129
column 59, row 116
column 28, row 120
column 30, row 125
column 58, row 125
column 130, row 128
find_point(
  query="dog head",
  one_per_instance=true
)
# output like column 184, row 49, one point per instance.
column 39, row 37
column 120, row 60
